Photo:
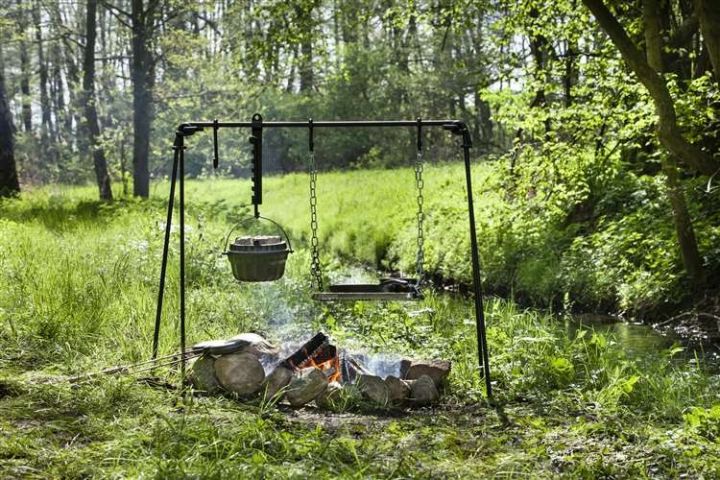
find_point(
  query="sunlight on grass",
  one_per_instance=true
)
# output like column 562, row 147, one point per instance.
column 79, row 284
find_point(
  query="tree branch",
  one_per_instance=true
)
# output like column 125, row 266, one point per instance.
column 667, row 128
column 117, row 12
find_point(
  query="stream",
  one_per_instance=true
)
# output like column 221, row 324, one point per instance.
column 637, row 339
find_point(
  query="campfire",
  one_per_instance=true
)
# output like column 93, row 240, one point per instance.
column 247, row 366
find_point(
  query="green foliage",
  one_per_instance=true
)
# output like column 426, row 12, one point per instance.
column 80, row 279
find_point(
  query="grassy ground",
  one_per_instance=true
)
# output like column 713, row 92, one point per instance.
column 78, row 283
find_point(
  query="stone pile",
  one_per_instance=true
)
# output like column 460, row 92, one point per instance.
column 247, row 366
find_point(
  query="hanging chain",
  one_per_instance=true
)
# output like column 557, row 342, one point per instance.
column 315, row 270
column 420, row 261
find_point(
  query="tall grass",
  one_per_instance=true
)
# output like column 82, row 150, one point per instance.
column 79, row 279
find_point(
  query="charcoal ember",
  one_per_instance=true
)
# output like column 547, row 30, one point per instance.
column 423, row 391
column 437, row 370
column 398, row 390
column 277, row 380
column 240, row 373
column 305, row 386
column 373, row 388
column 255, row 344
column 202, row 374
column 332, row 398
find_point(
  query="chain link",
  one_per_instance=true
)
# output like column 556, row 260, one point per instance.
column 420, row 184
column 316, row 280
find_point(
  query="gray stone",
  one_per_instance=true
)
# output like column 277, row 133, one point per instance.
column 276, row 381
column 332, row 398
column 373, row 388
column 202, row 374
column 438, row 370
column 307, row 384
column 240, row 373
column 398, row 390
column 423, row 391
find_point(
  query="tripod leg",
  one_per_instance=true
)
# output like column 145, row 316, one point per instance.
column 483, row 357
column 166, row 245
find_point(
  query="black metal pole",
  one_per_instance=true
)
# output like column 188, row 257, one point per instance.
column 216, row 157
column 483, row 357
column 196, row 126
column 257, row 166
column 182, row 263
column 166, row 244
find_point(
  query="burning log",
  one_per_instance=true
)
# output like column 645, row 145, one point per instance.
column 317, row 352
column 305, row 386
column 310, row 348
column 240, row 373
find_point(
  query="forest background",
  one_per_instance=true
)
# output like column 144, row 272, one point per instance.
column 598, row 122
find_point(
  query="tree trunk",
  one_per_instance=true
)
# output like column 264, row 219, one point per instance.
column 667, row 128
column 570, row 75
column 540, row 48
column 72, row 81
column 708, row 13
column 293, row 59
column 91, row 118
column 63, row 120
column 46, row 118
column 24, row 68
column 683, row 224
column 307, row 74
column 684, row 230
column 142, row 72
column 9, row 184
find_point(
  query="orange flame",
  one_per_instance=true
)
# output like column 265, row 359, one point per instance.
column 330, row 367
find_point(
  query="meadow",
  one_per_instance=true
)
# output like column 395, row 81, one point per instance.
column 79, row 284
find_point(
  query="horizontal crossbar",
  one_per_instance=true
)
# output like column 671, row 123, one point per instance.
column 370, row 296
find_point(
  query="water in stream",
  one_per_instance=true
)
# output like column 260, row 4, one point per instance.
column 640, row 340
column 637, row 339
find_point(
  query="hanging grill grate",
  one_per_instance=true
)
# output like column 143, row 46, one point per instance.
column 398, row 289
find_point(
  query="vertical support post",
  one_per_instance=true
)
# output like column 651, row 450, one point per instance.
column 182, row 263
column 168, row 223
column 216, row 157
column 483, row 357
column 256, row 141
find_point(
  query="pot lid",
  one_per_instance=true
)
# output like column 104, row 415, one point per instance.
column 258, row 242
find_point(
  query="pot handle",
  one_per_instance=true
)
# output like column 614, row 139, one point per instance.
column 259, row 217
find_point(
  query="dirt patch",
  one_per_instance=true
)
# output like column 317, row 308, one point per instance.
column 453, row 414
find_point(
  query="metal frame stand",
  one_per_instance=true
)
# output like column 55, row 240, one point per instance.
column 257, row 125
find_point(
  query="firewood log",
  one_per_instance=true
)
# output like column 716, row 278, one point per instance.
column 305, row 386
column 240, row 373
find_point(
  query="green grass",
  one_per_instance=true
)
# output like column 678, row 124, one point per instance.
column 78, row 282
